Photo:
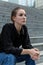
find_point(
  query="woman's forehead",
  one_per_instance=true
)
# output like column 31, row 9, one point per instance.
column 21, row 11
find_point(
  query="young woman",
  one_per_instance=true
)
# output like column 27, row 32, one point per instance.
column 13, row 36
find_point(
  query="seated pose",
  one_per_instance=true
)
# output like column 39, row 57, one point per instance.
column 15, row 42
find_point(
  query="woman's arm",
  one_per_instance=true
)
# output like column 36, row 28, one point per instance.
column 28, row 48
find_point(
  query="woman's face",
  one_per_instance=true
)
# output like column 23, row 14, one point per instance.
column 20, row 17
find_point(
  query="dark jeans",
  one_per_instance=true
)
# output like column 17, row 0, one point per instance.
column 10, row 59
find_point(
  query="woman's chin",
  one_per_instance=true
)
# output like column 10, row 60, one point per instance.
column 23, row 23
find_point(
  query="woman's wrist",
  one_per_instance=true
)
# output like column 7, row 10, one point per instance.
column 25, row 51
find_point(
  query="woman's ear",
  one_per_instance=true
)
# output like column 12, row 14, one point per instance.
column 13, row 17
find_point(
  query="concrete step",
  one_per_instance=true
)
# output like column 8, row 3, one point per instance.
column 38, row 45
column 37, row 39
column 40, row 64
column 41, row 53
column 24, row 64
column 40, row 60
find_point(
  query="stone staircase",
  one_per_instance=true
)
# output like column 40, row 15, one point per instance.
column 37, row 42
column 34, row 25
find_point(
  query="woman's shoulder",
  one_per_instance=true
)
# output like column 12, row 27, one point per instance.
column 7, row 25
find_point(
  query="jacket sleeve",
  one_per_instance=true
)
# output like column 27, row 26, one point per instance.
column 7, row 44
column 26, row 42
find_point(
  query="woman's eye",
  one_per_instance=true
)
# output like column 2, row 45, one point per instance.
column 22, row 14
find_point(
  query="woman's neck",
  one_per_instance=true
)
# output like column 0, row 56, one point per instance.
column 18, row 27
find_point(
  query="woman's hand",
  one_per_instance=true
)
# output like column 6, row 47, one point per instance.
column 34, row 53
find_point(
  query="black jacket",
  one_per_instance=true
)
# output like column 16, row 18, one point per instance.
column 12, row 40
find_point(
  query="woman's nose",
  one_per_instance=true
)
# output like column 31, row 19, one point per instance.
column 24, row 16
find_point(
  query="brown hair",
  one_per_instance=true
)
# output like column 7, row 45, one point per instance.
column 14, row 12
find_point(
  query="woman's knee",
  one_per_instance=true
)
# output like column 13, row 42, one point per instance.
column 11, row 57
column 7, row 58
